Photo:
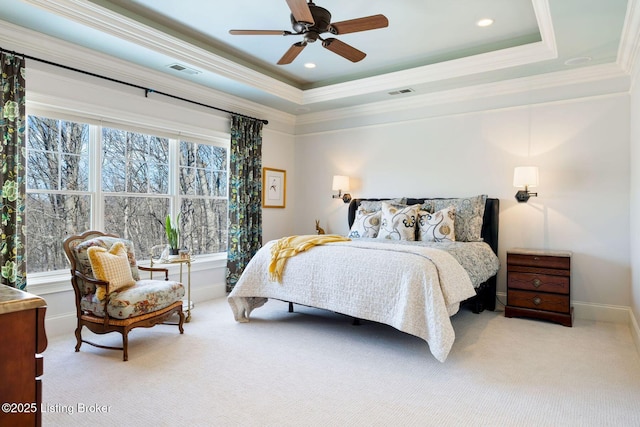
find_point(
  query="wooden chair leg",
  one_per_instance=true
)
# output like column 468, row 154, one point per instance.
column 125, row 345
column 181, row 322
column 78, row 337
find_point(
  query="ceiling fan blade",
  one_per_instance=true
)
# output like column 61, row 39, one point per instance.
column 259, row 32
column 360, row 24
column 292, row 53
column 343, row 49
column 300, row 11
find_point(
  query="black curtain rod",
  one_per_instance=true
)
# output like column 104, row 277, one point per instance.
column 147, row 91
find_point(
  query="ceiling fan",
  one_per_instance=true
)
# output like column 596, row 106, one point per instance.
column 310, row 21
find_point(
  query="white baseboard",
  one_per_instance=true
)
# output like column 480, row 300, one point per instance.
column 591, row 311
column 635, row 330
column 601, row 312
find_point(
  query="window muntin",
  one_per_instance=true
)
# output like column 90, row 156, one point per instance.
column 203, row 202
column 128, row 192
column 58, row 155
column 134, row 163
column 57, row 180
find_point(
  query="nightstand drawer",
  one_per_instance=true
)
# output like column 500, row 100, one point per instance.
column 538, row 282
column 543, row 261
column 538, row 301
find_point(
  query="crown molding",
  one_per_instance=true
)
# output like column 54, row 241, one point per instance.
column 124, row 28
column 629, row 47
column 584, row 76
column 486, row 62
column 38, row 45
column 109, row 22
column 505, row 58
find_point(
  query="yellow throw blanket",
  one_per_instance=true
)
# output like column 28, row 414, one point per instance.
column 292, row 245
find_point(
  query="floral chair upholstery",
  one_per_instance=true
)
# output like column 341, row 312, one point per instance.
column 144, row 304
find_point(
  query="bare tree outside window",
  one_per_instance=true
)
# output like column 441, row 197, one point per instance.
column 57, row 171
column 203, row 201
column 133, row 183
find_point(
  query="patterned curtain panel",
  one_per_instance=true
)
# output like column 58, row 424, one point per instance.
column 12, row 171
column 245, row 195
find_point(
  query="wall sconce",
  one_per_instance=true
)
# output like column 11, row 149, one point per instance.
column 525, row 176
column 341, row 183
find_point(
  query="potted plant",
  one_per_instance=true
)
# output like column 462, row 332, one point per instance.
column 173, row 234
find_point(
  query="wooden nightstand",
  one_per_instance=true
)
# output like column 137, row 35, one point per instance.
column 539, row 285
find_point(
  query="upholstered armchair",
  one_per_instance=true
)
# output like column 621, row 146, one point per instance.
column 109, row 294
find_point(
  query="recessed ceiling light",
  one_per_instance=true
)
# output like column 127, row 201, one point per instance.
column 485, row 22
column 578, row 60
column 309, row 65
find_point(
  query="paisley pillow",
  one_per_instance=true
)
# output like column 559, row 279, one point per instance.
column 398, row 222
column 438, row 226
column 366, row 224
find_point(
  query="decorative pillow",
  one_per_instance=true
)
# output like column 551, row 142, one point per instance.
column 376, row 205
column 438, row 226
column 105, row 242
column 110, row 266
column 469, row 215
column 398, row 222
column 366, row 224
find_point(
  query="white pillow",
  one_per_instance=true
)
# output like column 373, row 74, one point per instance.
column 366, row 224
column 438, row 226
column 398, row 222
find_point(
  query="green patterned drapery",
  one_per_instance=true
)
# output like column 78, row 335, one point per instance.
column 245, row 195
column 12, row 171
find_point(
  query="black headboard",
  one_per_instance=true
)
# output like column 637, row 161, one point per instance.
column 489, row 224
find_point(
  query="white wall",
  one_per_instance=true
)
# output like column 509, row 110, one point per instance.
column 278, row 153
column 634, row 234
column 581, row 147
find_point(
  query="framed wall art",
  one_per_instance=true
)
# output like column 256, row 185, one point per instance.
column 274, row 188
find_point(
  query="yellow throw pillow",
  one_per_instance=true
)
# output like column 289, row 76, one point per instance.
column 110, row 266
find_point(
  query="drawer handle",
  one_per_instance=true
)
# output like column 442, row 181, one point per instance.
column 537, row 283
column 537, row 300
column 535, row 258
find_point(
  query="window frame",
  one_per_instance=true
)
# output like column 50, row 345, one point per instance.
column 59, row 278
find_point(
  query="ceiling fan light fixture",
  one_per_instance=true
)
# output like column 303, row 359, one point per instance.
column 309, row 65
column 311, row 21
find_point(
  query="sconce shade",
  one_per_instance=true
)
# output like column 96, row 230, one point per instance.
column 340, row 182
column 525, row 176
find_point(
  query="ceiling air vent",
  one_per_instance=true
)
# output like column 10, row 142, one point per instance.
column 401, row 91
column 184, row 69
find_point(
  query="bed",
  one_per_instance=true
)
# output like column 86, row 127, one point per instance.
column 411, row 285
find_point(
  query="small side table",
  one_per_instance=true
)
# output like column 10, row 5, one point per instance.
column 188, row 303
column 539, row 285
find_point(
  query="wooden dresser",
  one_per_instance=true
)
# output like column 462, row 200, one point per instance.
column 22, row 338
column 539, row 285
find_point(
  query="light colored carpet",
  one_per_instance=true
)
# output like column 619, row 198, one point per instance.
column 314, row 368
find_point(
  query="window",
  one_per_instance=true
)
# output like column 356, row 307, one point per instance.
column 203, row 197
column 58, row 198
column 83, row 176
column 135, row 187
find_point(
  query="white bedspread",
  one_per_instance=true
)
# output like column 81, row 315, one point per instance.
column 413, row 289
